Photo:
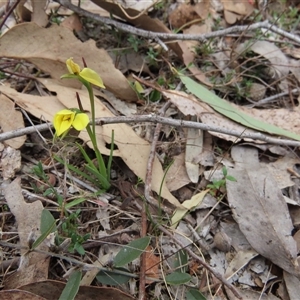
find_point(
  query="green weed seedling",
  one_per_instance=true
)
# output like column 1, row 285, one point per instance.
column 69, row 224
column 152, row 56
column 39, row 172
column 134, row 42
column 217, row 185
column 69, row 230
column 159, row 5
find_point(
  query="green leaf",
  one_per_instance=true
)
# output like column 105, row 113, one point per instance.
column 48, row 192
column 71, row 289
column 194, row 294
column 230, row 178
column 177, row 278
column 86, row 157
column 47, row 221
column 101, row 178
column 76, row 170
column 224, row 171
column 79, row 248
column 181, row 260
column 225, row 108
column 131, row 251
column 155, row 96
column 74, row 202
column 112, row 277
column 47, row 226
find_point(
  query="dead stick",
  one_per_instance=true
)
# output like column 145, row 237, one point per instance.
column 10, row 10
column 149, row 198
column 172, row 36
column 152, row 118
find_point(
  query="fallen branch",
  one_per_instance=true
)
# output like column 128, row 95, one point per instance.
column 175, row 36
column 152, row 118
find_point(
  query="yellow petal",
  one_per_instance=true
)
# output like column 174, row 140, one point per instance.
column 63, row 121
column 92, row 77
column 72, row 67
column 80, row 122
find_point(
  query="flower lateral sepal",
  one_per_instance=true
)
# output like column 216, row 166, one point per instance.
column 65, row 119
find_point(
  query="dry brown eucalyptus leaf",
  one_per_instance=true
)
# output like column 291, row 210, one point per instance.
column 51, row 289
column 11, row 119
column 39, row 15
column 177, row 176
column 259, row 208
column 17, row 295
column 49, row 48
column 34, row 265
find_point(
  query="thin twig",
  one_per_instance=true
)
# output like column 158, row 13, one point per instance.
column 9, row 12
column 162, row 44
column 143, row 267
column 149, row 198
column 152, row 118
column 272, row 98
column 18, row 74
column 174, row 36
column 23, row 131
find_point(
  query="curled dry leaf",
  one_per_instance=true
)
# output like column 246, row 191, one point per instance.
column 177, row 176
column 10, row 162
column 235, row 10
column 42, row 186
column 193, row 149
column 222, row 241
column 39, row 15
column 152, row 264
column 183, row 14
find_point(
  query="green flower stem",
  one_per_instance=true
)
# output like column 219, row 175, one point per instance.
column 91, row 129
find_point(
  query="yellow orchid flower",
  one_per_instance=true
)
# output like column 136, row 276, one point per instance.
column 86, row 73
column 66, row 118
